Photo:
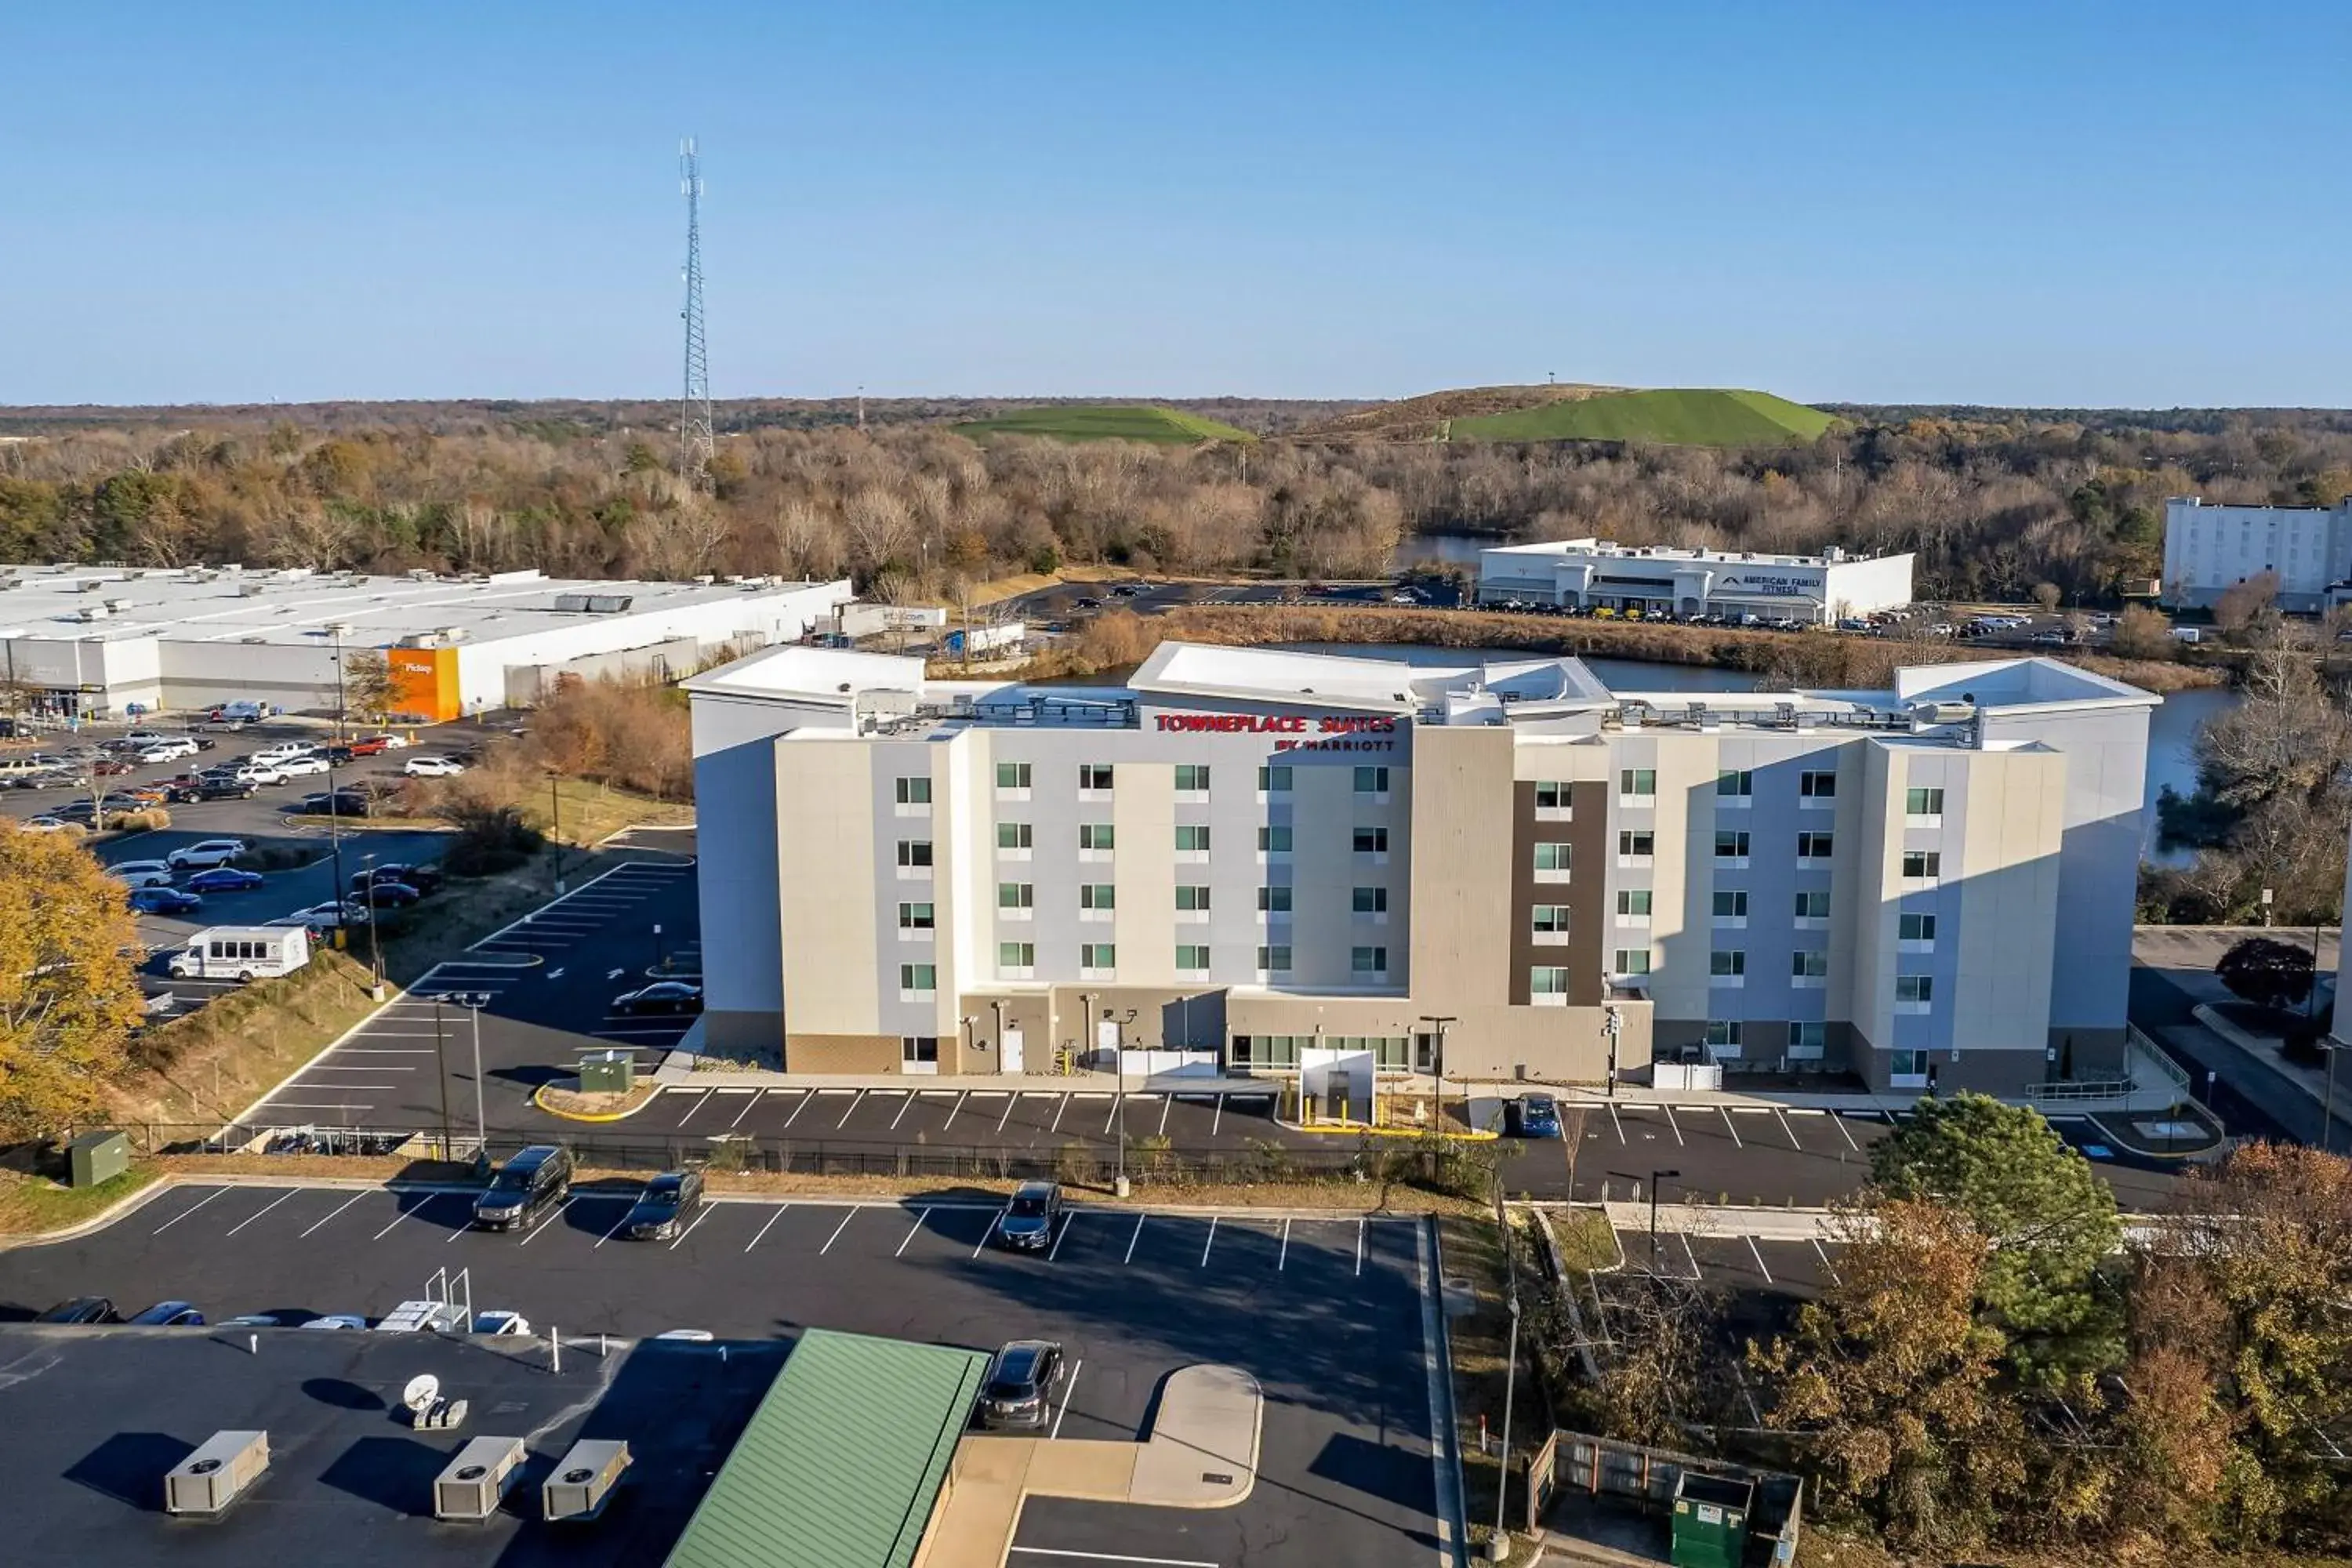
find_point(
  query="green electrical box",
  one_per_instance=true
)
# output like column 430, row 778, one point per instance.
column 608, row 1072
column 96, row 1157
column 1710, row 1522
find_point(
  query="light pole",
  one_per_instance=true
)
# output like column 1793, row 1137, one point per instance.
column 1612, row 1024
column 2327, row 1116
column 441, row 1060
column 1437, row 1026
column 555, row 825
column 376, row 943
column 1657, row 1178
column 10, row 637
column 1119, row 1184
column 334, row 803
column 1498, row 1545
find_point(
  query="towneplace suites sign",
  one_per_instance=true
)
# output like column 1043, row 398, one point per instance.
column 1294, row 732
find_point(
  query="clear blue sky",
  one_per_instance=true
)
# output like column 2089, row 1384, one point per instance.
column 2006, row 202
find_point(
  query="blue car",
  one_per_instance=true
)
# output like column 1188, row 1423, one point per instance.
column 1532, row 1116
column 225, row 880
column 168, row 1315
column 165, row 902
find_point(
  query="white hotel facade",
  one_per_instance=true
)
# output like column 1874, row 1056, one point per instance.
column 1594, row 573
column 1256, row 853
column 2209, row 550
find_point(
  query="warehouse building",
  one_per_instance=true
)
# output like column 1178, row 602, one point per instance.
column 1262, row 858
column 99, row 641
column 2209, row 550
column 1593, row 575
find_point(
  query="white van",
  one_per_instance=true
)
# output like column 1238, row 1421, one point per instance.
column 242, row 953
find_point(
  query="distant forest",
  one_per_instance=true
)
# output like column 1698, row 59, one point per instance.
column 1995, row 501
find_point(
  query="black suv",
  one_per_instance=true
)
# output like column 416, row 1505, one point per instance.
column 1028, row 1221
column 536, row 1180
column 1022, row 1382
column 667, row 1207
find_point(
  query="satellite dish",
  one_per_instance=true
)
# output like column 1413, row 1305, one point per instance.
column 422, row 1391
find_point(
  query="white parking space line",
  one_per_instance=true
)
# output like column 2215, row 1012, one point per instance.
column 1166, row 1101
column 763, row 1229
column 615, row 1230
column 543, row 1226
column 277, row 1104
column 1057, row 1127
column 1111, row 1557
column 911, row 1230
column 1136, row 1238
column 1218, row 1120
column 1831, row 1269
column 1791, row 1131
column 1282, row 1260
column 982, row 1244
column 698, row 1105
column 1010, row 1102
column 1688, row 1254
column 1756, row 1253
column 1839, row 1122
column 346, row 1203
column 689, row 1230
column 1116, row 1105
column 1677, row 1126
column 752, row 1099
column 961, row 1096
column 189, row 1210
column 403, row 1215
column 1069, row 1392
column 905, row 1104
column 837, row 1230
column 1069, row 1217
column 1363, row 1228
column 264, row 1209
column 1210, row 1243
column 805, row 1099
column 846, row 1115
column 1615, row 1120
column 1726, row 1114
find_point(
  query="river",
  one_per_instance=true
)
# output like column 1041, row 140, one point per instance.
column 2171, row 729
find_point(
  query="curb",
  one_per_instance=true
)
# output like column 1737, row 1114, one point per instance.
column 1365, row 1130
column 598, row 1119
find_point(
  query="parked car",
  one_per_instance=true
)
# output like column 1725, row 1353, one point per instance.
column 391, row 743
column 225, row 880
column 665, row 1208
column 536, row 1180
column 168, row 1315
column 258, row 773
column 208, row 853
column 336, row 1321
column 328, row 916
column 369, row 746
column 386, row 896
column 432, row 768
column 1022, row 1382
column 141, row 873
column 1029, row 1218
column 423, row 879
column 303, row 767
column 165, row 902
column 45, row 825
column 81, row 1309
column 1531, row 1116
column 112, row 767
column 228, row 789
column 332, row 803
column 661, row 997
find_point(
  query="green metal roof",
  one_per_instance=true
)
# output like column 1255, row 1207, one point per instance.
column 843, row 1461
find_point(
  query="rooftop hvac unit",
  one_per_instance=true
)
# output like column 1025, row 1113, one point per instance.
column 248, row 589
column 90, row 613
column 253, row 639
column 88, row 585
column 705, row 580
column 420, row 573
column 476, row 1480
column 450, row 634
column 217, row 1474
column 118, row 606
column 583, row 1480
column 593, row 603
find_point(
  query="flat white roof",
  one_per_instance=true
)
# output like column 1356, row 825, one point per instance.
column 1346, row 681
column 1611, row 549
column 295, row 608
column 1996, row 683
column 798, row 672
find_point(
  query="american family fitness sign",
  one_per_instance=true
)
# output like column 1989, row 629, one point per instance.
column 1299, row 731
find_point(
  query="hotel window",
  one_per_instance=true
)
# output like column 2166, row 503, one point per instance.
column 1275, row 959
column 1192, row 778
column 1193, row 898
column 1728, row 960
column 1926, row 803
column 1015, row 835
column 1274, row 779
column 1551, row 856
column 1371, row 900
column 1274, row 898
column 1017, row 895
column 1371, row 841
column 1192, row 838
column 1552, row 796
column 1809, row 965
column 919, row 1050
column 1192, row 955
column 1735, row 784
column 1813, row 906
column 1920, row 865
column 1097, row 896
column 1730, row 904
column 1806, row 1040
column 1817, row 785
column 1635, row 845
column 1012, row 775
column 1273, row 840
column 1730, row 845
column 1813, row 845
column 1909, row 1068
column 1918, row 988
column 1095, row 836
column 1638, row 784
column 1368, row 959
column 1915, row 927
column 1371, row 780
column 1632, row 961
column 914, row 852
column 916, row 917
column 1634, row 901
column 918, row 979
column 1097, row 955
column 1016, row 956
column 1551, row 920
column 914, row 792
column 1548, row 980
column 1094, row 776
column 1723, row 1033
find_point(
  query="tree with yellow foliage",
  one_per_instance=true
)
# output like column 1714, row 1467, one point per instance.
column 69, row 983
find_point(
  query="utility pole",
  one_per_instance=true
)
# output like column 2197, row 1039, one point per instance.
column 475, row 1002
column 1438, row 1026
column 695, row 442
column 375, row 943
column 441, row 1060
column 1118, row 1185
column 1612, row 1024
column 555, row 824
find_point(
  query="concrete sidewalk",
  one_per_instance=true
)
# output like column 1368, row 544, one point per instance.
column 2263, row 1054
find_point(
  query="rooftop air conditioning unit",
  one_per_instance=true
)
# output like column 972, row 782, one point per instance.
column 476, row 1480
column 118, row 606
column 216, row 1475
column 86, row 585
column 420, row 575
column 705, row 580
column 583, row 1480
column 450, row 634
column 253, row 639
column 248, row 589
column 90, row 613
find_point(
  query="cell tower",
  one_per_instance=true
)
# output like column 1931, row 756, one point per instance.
column 695, row 441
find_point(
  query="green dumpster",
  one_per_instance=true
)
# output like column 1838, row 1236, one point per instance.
column 1710, row 1522
column 96, row 1157
column 608, row 1072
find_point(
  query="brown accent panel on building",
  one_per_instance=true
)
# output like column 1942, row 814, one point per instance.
column 1584, row 892
column 842, row 1053
column 1523, row 889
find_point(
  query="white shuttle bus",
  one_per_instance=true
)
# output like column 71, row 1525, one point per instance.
column 242, row 953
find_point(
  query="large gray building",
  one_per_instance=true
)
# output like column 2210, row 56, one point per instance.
column 1257, row 854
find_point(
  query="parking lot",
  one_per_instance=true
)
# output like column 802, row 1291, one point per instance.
column 1335, row 1316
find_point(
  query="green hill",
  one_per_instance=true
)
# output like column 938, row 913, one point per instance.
column 1101, row 422
column 1671, row 416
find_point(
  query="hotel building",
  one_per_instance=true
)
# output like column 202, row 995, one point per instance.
column 1594, row 573
column 1257, row 854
